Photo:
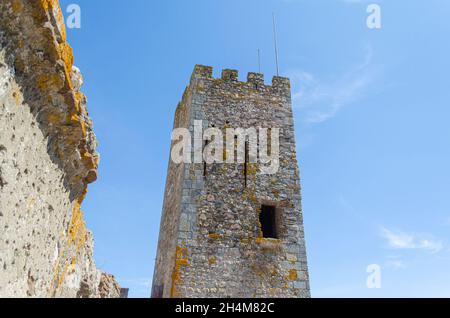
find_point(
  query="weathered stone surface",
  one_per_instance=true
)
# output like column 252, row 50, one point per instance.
column 211, row 243
column 47, row 158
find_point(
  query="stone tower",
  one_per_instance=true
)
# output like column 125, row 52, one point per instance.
column 226, row 229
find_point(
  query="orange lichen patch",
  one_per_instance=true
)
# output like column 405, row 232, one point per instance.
column 46, row 4
column 258, row 214
column 212, row 260
column 79, row 96
column 88, row 160
column 214, row 236
column 264, row 240
column 54, row 118
column 246, row 240
column 17, row 6
column 225, row 155
column 77, row 228
column 53, row 5
column 66, row 54
column 46, row 81
column 292, row 275
column 274, row 291
column 252, row 168
column 17, row 97
column 268, row 245
column 264, row 270
column 249, row 194
column 74, row 118
column 20, row 44
column 180, row 261
column 76, row 238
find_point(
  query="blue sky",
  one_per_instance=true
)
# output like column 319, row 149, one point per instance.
column 372, row 124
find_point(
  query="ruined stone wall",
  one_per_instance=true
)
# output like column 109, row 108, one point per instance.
column 220, row 251
column 47, row 159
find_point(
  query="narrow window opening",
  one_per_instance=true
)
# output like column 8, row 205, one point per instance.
column 267, row 218
column 245, row 163
column 205, row 171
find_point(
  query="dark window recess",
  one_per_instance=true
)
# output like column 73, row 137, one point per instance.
column 267, row 218
column 269, row 141
column 204, row 168
column 204, row 162
column 245, row 164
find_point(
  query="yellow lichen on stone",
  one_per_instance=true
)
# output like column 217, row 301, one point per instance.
column 17, row 97
column 252, row 168
column 292, row 274
column 180, row 261
column 76, row 238
column 225, row 155
column 214, row 236
column 17, row 6
column 250, row 195
column 77, row 228
column 212, row 260
column 53, row 5
column 265, row 240
column 54, row 118
column 46, row 81
column 66, row 54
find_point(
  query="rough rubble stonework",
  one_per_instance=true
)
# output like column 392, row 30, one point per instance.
column 47, row 159
column 211, row 243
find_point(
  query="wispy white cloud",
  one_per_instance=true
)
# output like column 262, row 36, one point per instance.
column 319, row 100
column 402, row 240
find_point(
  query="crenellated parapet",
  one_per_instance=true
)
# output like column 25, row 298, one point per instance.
column 280, row 85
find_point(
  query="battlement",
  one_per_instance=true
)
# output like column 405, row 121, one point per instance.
column 279, row 84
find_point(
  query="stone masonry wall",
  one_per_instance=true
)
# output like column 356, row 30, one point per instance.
column 47, row 159
column 220, row 251
column 171, row 206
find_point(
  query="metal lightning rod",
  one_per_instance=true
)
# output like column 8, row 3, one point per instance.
column 275, row 42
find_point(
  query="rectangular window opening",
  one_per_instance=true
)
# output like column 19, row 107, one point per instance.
column 268, row 220
column 205, row 167
column 245, row 164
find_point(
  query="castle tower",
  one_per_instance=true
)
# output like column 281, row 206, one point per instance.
column 228, row 230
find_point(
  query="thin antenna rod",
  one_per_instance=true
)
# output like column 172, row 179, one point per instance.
column 259, row 61
column 275, row 42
